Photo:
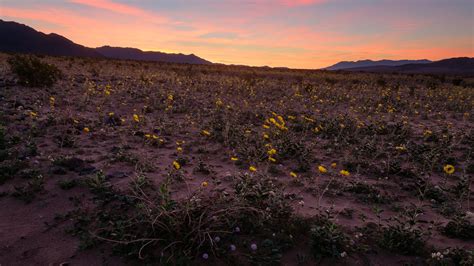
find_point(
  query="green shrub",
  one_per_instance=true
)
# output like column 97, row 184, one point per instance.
column 33, row 72
column 327, row 239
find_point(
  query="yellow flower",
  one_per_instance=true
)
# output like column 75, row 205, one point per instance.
column 234, row 159
column 265, row 136
column 401, row 148
column 252, row 169
column 86, row 130
column 322, row 169
column 334, row 165
column 148, row 136
column 219, row 102
column 272, row 152
column 170, row 97
column 179, row 149
column 111, row 114
column 176, row 165
column 266, row 126
column 204, row 184
column 293, row 174
column 344, row 172
column 448, row 169
column 206, row 133
column 136, row 118
column 271, row 159
column 33, row 114
column 107, row 92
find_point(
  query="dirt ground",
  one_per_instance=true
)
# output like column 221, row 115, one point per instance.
column 315, row 168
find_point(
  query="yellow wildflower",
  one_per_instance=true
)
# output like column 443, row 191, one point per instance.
column 206, row 133
column 86, row 130
column 136, row 118
column 448, row 169
column 293, row 174
column 401, row 148
column 322, row 169
column 344, row 172
column 272, row 152
column 234, row 159
column 176, row 165
column 252, row 169
column 204, row 184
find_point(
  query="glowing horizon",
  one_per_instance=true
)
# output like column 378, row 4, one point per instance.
column 297, row 34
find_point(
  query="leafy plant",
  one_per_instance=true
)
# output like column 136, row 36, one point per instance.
column 32, row 72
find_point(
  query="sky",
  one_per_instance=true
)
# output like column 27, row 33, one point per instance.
column 293, row 33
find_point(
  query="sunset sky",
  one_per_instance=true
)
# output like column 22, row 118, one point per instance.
column 298, row 34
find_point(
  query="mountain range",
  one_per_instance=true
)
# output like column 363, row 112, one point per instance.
column 370, row 63
column 452, row 66
column 19, row 38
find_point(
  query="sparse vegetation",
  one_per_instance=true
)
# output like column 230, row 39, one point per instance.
column 32, row 72
column 157, row 164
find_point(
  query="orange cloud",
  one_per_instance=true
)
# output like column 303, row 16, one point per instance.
column 121, row 9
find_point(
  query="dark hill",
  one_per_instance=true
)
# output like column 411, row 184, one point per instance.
column 19, row 38
column 453, row 66
column 371, row 63
column 137, row 54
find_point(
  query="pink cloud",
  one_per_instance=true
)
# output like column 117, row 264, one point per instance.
column 122, row 9
column 293, row 3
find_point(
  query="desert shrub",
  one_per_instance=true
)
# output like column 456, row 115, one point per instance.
column 459, row 227
column 403, row 235
column 327, row 239
column 145, row 221
column 452, row 256
column 32, row 72
column 2, row 138
column 28, row 192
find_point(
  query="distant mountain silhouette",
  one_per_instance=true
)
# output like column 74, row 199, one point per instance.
column 137, row 54
column 456, row 66
column 370, row 63
column 19, row 38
